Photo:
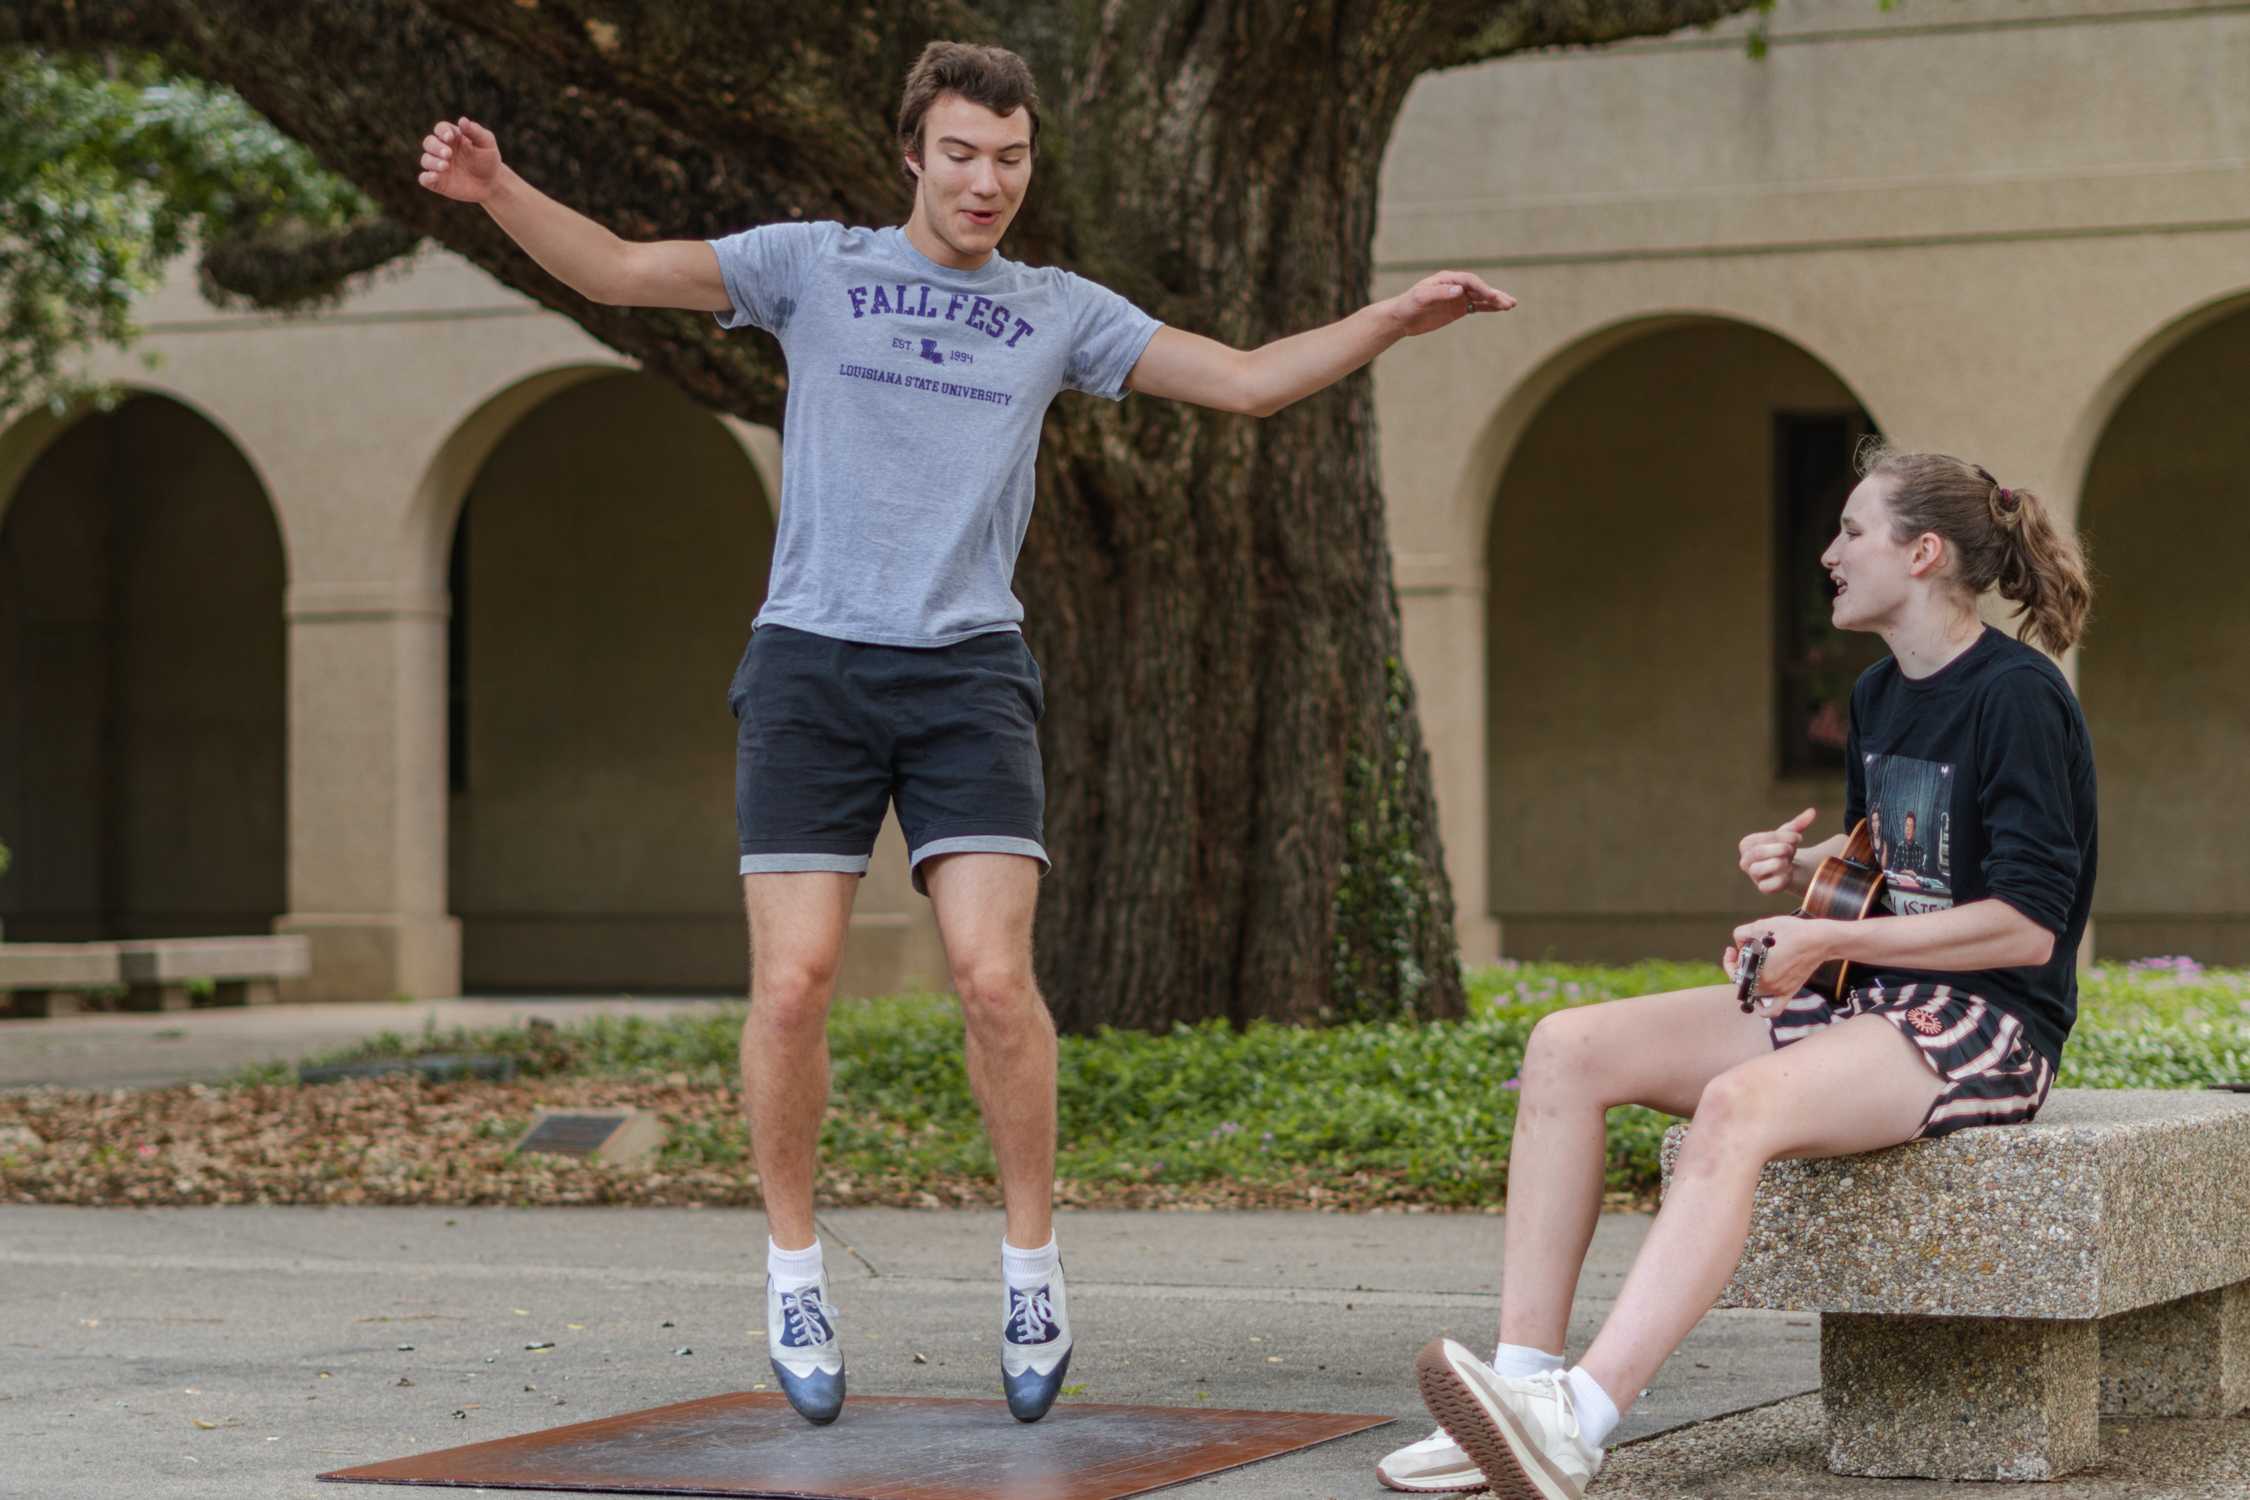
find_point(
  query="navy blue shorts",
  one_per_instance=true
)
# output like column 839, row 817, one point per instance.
column 830, row 733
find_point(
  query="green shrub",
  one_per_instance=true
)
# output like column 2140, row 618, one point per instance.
column 1419, row 1112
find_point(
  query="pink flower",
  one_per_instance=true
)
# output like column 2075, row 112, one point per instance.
column 1513, row 1083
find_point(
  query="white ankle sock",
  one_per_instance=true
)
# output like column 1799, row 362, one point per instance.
column 1597, row 1414
column 1519, row 1360
column 1026, row 1269
column 791, row 1269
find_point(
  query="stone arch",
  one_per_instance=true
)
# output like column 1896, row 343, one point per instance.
column 1635, row 712
column 143, row 673
column 609, row 546
column 426, row 538
column 28, row 432
column 2100, row 411
column 1514, row 413
column 2165, row 507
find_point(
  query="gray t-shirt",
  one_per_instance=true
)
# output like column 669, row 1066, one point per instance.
column 915, row 398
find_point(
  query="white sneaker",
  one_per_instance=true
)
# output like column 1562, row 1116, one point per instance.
column 1434, row 1466
column 1523, row 1433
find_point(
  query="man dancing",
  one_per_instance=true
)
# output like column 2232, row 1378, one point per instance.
column 888, row 665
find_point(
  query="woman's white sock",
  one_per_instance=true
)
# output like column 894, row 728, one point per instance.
column 1597, row 1414
column 1520, row 1360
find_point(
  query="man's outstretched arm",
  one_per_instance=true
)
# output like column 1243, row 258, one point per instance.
column 1186, row 366
column 461, row 161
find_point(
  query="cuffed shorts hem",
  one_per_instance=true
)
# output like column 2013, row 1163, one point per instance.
column 798, row 864
column 976, row 843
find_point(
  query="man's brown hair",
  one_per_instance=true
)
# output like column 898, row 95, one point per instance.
column 991, row 76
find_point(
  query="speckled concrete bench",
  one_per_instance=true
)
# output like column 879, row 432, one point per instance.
column 159, row 973
column 1984, row 1299
column 50, row 979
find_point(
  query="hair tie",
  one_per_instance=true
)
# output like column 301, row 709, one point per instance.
column 2007, row 498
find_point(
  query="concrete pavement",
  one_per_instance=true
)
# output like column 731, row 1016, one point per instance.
column 123, row 1330
column 238, row 1352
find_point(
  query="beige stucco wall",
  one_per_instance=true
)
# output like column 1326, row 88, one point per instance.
column 1990, row 221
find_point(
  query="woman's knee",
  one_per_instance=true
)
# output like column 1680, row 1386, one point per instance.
column 1565, row 1052
column 1735, row 1115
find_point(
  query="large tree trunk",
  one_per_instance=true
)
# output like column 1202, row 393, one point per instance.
column 1240, row 801
column 1239, row 797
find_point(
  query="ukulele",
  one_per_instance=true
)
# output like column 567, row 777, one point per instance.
column 1845, row 887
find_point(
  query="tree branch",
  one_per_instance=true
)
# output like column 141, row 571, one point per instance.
column 89, row 25
column 1522, row 25
column 360, row 81
column 690, row 118
column 286, row 269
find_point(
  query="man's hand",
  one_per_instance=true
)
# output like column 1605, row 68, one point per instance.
column 460, row 160
column 1769, row 857
column 1800, row 945
column 1437, row 300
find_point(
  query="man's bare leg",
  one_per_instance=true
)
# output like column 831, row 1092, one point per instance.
column 797, row 926
column 984, row 908
column 984, row 905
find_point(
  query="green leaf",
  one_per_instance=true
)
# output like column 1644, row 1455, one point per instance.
column 109, row 171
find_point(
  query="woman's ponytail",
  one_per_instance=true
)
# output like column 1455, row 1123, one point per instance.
column 2043, row 569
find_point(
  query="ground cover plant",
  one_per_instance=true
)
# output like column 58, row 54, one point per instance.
column 1414, row 1117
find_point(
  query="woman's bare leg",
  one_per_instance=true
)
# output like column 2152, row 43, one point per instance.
column 1857, row 1086
column 1657, row 1050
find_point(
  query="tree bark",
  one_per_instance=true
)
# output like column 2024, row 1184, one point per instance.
column 1240, row 802
column 1239, row 795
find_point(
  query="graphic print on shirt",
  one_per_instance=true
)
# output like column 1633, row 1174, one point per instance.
column 926, row 303
column 1910, row 814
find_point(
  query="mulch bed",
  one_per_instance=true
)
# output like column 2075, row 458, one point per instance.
column 400, row 1140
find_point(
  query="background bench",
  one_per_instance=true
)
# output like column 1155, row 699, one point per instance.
column 47, row 979
column 241, row 970
column 1986, row 1298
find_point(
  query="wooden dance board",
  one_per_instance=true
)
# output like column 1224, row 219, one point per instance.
column 882, row 1448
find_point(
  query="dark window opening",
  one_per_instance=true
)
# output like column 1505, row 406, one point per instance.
column 1815, row 663
column 457, row 661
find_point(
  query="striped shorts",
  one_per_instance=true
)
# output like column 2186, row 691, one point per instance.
column 1992, row 1075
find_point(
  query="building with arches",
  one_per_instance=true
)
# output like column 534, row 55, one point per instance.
column 2017, row 229
column 407, row 626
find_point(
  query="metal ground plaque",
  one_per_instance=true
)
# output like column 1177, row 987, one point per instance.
column 882, row 1448
column 614, row 1135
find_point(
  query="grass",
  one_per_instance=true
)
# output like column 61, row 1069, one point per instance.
column 1369, row 1113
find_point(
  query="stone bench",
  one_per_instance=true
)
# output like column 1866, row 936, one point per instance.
column 1986, row 1298
column 52, row 979
column 241, row 970
column 48, row 979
